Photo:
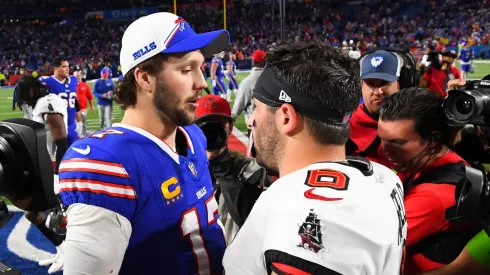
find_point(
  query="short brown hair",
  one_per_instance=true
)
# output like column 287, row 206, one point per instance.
column 125, row 93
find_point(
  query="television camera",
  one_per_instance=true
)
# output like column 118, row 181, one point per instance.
column 470, row 104
column 26, row 173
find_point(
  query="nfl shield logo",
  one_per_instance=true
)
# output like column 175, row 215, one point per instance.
column 193, row 169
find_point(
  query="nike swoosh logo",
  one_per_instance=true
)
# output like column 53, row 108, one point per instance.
column 310, row 195
column 85, row 151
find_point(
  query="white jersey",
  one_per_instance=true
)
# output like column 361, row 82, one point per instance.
column 329, row 215
column 50, row 104
column 354, row 54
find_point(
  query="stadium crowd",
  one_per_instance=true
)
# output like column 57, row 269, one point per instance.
column 378, row 181
column 252, row 25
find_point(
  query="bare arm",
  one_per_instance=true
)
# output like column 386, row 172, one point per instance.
column 56, row 126
column 214, row 68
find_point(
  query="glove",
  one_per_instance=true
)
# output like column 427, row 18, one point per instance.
column 213, row 83
column 57, row 262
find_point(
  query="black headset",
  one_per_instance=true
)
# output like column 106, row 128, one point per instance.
column 408, row 70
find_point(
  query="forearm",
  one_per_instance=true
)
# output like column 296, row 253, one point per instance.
column 213, row 71
column 96, row 240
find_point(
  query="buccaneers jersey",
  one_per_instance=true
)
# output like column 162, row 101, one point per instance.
column 50, row 104
column 328, row 218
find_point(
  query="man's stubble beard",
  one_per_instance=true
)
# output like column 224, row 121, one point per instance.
column 268, row 149
column 167, row 104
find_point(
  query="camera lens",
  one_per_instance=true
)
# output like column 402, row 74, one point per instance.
column 215, row 135
column 464, row 106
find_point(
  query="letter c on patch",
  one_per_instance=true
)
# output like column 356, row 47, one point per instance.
column 167, row 194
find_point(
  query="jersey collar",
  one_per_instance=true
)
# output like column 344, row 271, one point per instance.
column 160, row 143
column 67, row 81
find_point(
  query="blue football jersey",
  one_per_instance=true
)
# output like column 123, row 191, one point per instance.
column 167, row 197
column 220, row 69
column 466, row 56
column 66, row 90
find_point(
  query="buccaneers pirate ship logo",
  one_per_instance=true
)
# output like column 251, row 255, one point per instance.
column 310, row 233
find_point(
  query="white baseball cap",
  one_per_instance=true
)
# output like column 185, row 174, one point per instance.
column 165, row 32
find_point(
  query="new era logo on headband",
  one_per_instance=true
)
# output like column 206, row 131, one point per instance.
column 284, row 97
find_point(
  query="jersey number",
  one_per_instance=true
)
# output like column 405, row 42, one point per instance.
column 190, row 228
column 327, row 178
column 70, row 100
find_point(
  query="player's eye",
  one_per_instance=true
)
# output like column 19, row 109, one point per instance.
column 186, row 71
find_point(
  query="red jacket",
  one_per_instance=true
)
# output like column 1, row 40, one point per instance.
column 83, row 94
column 363, row 133
column 436, row 79
column 425, row 208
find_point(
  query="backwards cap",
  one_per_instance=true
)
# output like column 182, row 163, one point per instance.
column 165, row 32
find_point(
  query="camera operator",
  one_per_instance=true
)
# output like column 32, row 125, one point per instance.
column 239, row 179
column 415, row 136
column 50, row 110
column 430, row 53
column 383, row 73
column 440, row 72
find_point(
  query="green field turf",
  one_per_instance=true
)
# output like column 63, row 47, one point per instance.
column 6, row 112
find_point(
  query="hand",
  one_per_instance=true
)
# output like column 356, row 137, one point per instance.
column 92, row 108
column 454, row 83
column 213, row 83
column 106, row 95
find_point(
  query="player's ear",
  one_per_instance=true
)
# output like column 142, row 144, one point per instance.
column 288, row 120
column 142, row 79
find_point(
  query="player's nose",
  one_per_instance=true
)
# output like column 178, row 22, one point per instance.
column 200, row 83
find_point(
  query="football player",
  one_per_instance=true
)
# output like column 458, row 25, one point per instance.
column 217, row 73
column 65, row 86
column 139, row 194
column 326, row 214
column 466, row 55
column 50, row 110
column 231, row 75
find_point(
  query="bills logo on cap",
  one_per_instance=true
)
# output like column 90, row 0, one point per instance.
column 148, row 48
column 181, row 23
column 376, row 61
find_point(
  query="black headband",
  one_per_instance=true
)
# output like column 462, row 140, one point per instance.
column 273, row 92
